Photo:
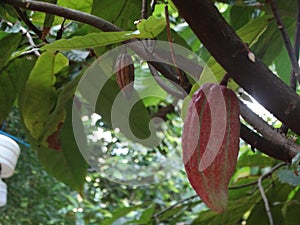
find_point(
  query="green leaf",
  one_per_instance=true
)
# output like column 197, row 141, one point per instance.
column 145, row 217
column 94, row 40
column 239, row 203
column 288, row 176
column 67, row 165
column 149, row 90
column 60, row 62
column 291, row 210
column 7, row 94
column 277, row 194
column 152, row 26
column 117, row 214
column 240, row 15
column 255, row 160
column 8, row 45
column 39, row 95
column 12, row 80
column 138, row 120
column 122, row 13
column 81, row 5
column 270, row 43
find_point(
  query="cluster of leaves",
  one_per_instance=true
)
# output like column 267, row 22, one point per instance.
column 42, row 87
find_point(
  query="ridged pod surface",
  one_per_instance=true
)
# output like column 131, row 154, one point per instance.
column 125, row 74
column 210, row 143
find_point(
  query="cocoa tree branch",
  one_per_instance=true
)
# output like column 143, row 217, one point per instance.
column 269, row 148
column 229, row 50
column 286, row 39
column 268, row 132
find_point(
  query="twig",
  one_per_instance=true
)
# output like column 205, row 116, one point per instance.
column 243, row 185
column 30, row 25
column 163, row 85
column 225, row 79
column 61, row 30
column 174, row 205
column 162, row 112
column 262, row 191
column 267, row 131
column 286, row 40
column 168, row 28
column 31, row 42
column 293, row 80
column 144, row 9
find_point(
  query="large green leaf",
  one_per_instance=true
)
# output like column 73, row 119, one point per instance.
column 67, row 165
column 119, row 213
column 291, row 210
column 138, row 120
column 12, row 80
column 81, row 5
column 146, row 30
column 8, row 45
column 255, row 160
column 236, row 209
column 39, row 95
column 122, row 13
column 277, row 194
column 270, row 43
column 7, row 94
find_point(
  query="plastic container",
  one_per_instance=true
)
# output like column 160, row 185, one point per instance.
column 9, row 153
column 3, row 193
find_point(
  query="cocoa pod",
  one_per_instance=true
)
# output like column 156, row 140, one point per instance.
column 210, row 143
column 125, row 74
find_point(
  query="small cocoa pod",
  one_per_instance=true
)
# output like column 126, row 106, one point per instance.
column 210, row 143
column 125, row 74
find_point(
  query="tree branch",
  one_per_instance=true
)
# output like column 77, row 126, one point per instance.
column 269, row 148
column 267, row 131
column 229, row 50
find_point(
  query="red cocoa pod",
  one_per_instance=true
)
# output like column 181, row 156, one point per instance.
column 210, row 143
column 125, row 74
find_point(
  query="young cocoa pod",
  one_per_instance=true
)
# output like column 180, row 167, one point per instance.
column 210, row 143
column 125, row 74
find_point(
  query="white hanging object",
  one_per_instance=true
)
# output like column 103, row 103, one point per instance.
column 9, row 153
column 3, row 193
